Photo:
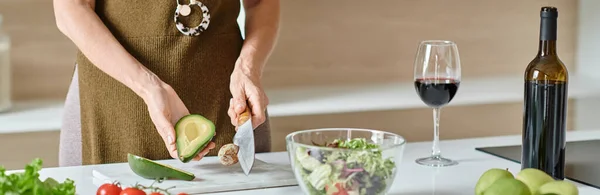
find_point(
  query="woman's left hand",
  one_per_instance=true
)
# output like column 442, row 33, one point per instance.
column 247, row 90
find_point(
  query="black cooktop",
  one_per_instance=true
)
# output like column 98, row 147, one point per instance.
column 582, row 160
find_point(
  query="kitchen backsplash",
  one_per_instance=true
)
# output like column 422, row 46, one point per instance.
column 340, row 41
column 5, row 70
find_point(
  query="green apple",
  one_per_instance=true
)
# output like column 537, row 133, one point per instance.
column 489, row 177
column 559, row 188
column 507, row 186
column 533, row 178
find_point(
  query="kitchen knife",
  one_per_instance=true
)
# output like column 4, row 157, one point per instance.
column 244, row 139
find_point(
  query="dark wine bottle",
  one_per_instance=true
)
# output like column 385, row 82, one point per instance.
column 545, row 106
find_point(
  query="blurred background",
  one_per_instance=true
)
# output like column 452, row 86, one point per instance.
column 338, row 63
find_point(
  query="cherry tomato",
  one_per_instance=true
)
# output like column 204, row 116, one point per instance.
column 109, row 189
column 132, row 191
column 156, row 193
column 182, row 193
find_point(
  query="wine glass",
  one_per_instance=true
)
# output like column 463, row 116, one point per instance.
column 437, row 77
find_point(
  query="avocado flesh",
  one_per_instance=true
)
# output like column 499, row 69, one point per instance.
column 194, row 132
column 149, row 169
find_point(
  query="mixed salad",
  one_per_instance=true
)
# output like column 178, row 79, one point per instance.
column 345, row 172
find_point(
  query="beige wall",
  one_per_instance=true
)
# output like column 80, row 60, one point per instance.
column 355, row 41
column 339, row 41
column 42, row 58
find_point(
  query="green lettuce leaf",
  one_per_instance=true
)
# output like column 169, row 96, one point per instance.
column 28, row 182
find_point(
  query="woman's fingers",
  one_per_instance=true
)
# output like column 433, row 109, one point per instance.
column 231, row 113
column 240, row 104
column 204, row 152
column 256, row 102
column 161, row 117
column 173, row 153
column 247, row 94
column 237, row 105
column 166, row 135
column 169, row 139
column 258, row 105
column 165, row 129
column 239, row 97
column 165, row 109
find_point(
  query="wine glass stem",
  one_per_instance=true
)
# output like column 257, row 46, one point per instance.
column 435, row 149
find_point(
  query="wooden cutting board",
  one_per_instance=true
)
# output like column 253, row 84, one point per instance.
column 211, row 176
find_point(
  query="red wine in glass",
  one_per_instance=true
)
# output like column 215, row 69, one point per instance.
column 436, row 92
column 437, row 78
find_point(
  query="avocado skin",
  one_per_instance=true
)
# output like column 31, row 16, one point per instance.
column 187, row 158
column 149, row 169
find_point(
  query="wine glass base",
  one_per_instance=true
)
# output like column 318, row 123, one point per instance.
column 436, row 161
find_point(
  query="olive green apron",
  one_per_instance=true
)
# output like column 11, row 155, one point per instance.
column 115, row 121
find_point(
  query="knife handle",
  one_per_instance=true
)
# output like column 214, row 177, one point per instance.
column 244, row 116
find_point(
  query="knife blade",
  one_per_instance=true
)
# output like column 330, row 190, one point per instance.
column 244, row 139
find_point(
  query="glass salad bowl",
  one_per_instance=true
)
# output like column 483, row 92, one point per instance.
column 345, row 161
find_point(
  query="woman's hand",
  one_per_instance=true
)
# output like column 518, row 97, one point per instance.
column 166, row 108
column 247, row 91
column 262, row 26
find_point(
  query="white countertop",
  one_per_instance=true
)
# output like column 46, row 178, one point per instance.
column 412, row 179
column 47, row 115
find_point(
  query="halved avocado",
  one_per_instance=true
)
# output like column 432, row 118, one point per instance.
column 149, row 169
column 193, row 133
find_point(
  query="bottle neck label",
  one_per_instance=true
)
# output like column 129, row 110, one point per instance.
column 548, row 29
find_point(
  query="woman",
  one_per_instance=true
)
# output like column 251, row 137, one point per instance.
column 142, row 65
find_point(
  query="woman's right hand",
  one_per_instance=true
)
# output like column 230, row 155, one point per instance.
column 165, row 109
